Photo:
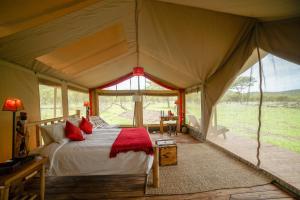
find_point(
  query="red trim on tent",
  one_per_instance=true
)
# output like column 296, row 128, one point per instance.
column 91, row 101
column 130, row 75
column 181, row 93
column 116, row 81
column 155, row 80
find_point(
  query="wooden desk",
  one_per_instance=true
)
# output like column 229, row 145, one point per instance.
column 173, row 118
column 24, row 172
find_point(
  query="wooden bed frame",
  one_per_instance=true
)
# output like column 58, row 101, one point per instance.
column 38, row 124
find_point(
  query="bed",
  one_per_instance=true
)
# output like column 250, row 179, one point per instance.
column 91, row 156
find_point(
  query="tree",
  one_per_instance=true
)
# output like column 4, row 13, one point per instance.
column 241, row 84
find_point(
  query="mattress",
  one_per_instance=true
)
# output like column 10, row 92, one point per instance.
column 91, row 157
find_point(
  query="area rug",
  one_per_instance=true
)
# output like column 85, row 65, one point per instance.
column 201, row 168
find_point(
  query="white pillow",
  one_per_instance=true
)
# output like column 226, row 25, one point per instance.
column 46, row 138
column 98, row 122
column 54, row 131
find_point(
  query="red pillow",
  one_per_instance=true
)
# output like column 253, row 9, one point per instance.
column 73, row 132
column 86, row 126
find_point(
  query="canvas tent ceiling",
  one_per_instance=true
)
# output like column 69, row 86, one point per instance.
column 265, row 10
column 183, row 45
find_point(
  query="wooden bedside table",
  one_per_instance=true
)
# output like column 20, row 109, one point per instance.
column 24, row 172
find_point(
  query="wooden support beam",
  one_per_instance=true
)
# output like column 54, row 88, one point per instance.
column 155, row 167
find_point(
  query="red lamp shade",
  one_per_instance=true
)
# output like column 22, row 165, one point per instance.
column 12, row 104
column 138, row 71
column 86, row 104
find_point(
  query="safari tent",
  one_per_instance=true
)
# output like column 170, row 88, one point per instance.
column 134, row 60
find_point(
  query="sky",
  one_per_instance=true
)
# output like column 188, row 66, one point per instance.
column 279, row 75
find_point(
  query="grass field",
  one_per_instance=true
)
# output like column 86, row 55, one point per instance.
column 280, row 125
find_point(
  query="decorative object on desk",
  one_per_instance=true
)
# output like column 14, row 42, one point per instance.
column 170, row 114
column 86, row 104
column 13, row 105
column 22, row 135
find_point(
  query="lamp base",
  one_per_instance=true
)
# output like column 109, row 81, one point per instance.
column 12, row 165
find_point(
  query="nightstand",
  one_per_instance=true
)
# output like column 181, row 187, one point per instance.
column 25, row 172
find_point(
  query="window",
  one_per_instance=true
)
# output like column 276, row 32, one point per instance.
column 76, row 100
column 132, row 84
column 193, row 109
column 50, row 101
column 153, row 105
column 116, row 110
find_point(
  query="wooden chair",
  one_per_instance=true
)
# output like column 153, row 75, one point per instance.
column 219, row 130
column 194, row 122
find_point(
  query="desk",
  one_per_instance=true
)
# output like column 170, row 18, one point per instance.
column 23, row 173
column 172, row 118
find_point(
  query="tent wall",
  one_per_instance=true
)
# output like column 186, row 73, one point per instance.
column 281, row 38
column 23, row 84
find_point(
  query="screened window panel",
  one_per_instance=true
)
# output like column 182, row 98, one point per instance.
column 118, row 110
column 280, row 131
column 193, row 109
column 235, row 118
column 76, row 100
column 153, row 105
column 50, row 101
column 132, row 84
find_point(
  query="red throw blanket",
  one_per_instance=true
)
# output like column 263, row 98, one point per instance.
column 132, row 139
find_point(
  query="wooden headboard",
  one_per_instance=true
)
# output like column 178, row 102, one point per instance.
column 38, row 124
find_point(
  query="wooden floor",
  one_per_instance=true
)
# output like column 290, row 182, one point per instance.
column 283, row 163
column 132, row 187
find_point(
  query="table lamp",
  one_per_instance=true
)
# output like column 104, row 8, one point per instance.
column 13, row 105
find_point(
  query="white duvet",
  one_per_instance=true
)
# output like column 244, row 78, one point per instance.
column 91, row 157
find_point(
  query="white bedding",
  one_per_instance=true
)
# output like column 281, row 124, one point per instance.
column 91, row 157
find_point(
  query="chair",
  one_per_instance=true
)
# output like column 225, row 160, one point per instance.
column 194, row 122
column 219, row 130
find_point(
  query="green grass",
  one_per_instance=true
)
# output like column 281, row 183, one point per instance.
column 280, row 126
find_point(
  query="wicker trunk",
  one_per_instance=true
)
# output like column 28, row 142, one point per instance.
column 168, row 155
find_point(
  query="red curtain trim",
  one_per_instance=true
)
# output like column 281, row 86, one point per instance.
column 116, row 81
column 181, row 93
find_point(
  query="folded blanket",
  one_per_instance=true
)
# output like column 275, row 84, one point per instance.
column 132, row 139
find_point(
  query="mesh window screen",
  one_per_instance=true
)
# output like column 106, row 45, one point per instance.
column 153, row 105
column 193, row 109
column 116, row 110
column 50, row 101
column 76, row 100
column 280, row 131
